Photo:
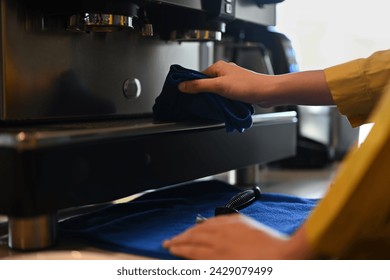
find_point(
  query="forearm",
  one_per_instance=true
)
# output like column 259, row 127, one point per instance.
column 300, row 88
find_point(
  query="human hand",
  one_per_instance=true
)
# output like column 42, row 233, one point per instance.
column 237, row 83
column 231, row 81
column 230, row 237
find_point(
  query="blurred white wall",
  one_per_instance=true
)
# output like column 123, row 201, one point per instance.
column 328, row 32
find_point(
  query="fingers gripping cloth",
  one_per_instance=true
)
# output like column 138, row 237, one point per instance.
column 173, row 105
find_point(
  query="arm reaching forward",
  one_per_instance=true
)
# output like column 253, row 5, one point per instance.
column 237, row 83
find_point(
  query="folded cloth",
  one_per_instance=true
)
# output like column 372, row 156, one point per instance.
column 140, row 226
column 173, row 105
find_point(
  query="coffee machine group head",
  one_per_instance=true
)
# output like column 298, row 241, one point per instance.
column 172, row 20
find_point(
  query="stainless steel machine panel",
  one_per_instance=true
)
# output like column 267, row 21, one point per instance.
column 51, row 73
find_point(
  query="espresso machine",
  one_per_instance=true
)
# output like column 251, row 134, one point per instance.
column 78, row 82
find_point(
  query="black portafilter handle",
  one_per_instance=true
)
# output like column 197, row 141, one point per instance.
column 239, row 201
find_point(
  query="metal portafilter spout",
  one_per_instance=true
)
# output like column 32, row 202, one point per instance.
column 96, row 22
column 212, row 31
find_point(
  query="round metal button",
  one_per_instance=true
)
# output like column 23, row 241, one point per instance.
column 132, row 88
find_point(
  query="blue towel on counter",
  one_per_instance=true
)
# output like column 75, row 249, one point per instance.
column 140, row 226
column 173, row 105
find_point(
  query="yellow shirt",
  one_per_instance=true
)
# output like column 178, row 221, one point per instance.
column 353, row 219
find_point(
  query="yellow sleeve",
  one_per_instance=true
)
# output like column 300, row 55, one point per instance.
column 356, row 86
column 356, row 209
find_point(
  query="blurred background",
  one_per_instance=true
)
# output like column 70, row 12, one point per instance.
column 325, row 33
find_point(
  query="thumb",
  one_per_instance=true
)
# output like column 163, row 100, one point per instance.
column 184, row 87
column 200, row 85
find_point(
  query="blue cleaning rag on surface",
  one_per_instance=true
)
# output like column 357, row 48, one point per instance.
column 173, row 105
column 140, row 226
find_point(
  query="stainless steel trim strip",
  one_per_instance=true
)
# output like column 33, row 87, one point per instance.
column 62, row 134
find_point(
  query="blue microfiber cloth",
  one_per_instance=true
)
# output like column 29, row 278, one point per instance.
column 140, row 226
column 173, row 105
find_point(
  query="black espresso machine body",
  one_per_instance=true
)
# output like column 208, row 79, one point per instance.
column 78, row 82
column 54, row 70
column 94, row 59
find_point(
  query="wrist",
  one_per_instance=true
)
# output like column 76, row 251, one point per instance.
column 268, row 90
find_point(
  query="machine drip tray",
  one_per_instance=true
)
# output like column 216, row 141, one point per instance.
column 46, row 168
